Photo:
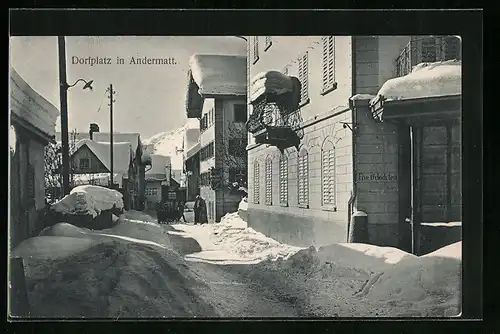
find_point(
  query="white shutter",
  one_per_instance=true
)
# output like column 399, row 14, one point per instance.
column 283, row 180
column 303, row 64
column 256, row 184
column 303, row 175
column 269, row 188
column 328, row 62
column 328, row 175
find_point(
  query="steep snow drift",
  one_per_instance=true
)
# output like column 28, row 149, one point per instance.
column 89, row 199
column 126, row 271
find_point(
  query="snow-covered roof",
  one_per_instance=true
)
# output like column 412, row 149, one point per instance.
column 158, row 164
column 122, row 153
column 30, row 106
column 132, row 138
column 425, row 80
column 214, row 75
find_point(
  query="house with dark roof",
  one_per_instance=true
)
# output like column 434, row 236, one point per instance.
column 32, row 128
column 131, row 181
column 216, row 95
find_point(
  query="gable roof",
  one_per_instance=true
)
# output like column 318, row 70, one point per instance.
column 214, row 75
column 132, row 138
column 122, row 154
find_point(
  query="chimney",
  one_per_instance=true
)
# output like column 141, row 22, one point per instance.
column 93, row 128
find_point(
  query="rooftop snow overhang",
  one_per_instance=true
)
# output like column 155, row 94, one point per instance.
column 430, row 91
column 31, row 110
column 193, row 150
column 214, row 76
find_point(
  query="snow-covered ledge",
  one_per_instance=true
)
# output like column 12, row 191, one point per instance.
column 425, row 80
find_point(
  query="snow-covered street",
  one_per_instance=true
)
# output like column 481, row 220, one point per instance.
column 141, row 269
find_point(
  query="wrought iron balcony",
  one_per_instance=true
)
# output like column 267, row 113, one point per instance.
column 275, row 123
column 427, row 50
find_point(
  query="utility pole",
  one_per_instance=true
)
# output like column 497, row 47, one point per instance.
column 111, row 101
column 64, row 114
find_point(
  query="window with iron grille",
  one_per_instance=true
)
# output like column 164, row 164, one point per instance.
column 283, row 172
column 328, row 182
column 255, row 49
column 328, row 64
column 207, row 151
column 269, row 42
column 240, row 113
column 205, row 179
column 303, row 178
column 269, row 179
column 256, row 183
column 84, row 163
column 429, row 50
column 303, row 64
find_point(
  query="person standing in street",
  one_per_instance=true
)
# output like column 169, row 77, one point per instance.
column 197, row 209
column 180, row 209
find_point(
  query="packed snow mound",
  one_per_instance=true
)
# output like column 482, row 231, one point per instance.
column 232, row 241
column 113, row 279
column 420, row 286
column 52, row 247
column 89, row 199
column 451, row 251
column 64, row 230
column 425, row 80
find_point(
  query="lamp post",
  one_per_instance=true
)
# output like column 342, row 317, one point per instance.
column 63, row 91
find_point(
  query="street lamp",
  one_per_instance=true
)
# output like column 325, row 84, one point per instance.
column 63, row 92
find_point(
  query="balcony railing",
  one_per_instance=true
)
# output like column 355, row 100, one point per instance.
column 427, row 50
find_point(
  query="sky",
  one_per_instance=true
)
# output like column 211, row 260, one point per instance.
column 149, row 98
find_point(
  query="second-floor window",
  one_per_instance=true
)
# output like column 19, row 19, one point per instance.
column 207, row 151
column 255, row 56
column 84, row 163
column 328, row 64
column 240, row 113
column 303, row 65
column 422, row 49
column 205, row 179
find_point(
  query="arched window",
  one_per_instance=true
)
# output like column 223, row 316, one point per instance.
column 328, row 184
column 268, row 180
column 303, row 177
column 283, row 173
column 256, row 183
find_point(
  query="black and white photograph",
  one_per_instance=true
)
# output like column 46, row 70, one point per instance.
column 235, row 177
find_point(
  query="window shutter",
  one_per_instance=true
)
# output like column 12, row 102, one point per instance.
column 30, row 182
column 256, row 184
column 269, row 42
column 328, row 174
column 303, row 175
column 328, row 62
column 303, row 63
column 283, row 180
column 255, row 49
column 269, row 187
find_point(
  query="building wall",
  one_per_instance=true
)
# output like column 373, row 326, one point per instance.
column 375, row 61
column 151, row 200
column 322, row 118
column 376, row 180
column 29, row 154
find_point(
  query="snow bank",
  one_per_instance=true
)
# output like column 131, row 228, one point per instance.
column 425, row 80
column 90, row 200
column 129, row 270
column 231, row 241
